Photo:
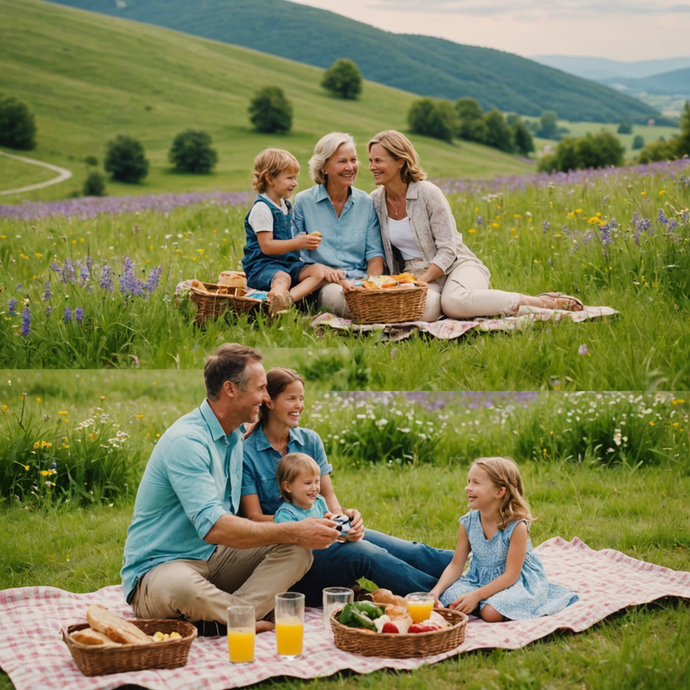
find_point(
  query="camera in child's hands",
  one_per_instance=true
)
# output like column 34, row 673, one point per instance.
column 343, row 525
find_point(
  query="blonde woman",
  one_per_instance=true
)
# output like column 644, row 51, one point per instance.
column 420, row 236
column 345, row 217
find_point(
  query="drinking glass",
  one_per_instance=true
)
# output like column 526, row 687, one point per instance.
column 289, row 615
column 335, row 598
column 420, row 605
column 241, row 633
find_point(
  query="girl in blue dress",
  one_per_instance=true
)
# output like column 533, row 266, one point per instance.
column 506, row 579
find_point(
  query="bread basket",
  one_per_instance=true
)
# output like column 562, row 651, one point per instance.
column 214, row 300
column 101, row 660
column 387, row 305
column 400, row 646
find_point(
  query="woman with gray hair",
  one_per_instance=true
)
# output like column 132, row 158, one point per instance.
column 345, row 217
column 420, row 237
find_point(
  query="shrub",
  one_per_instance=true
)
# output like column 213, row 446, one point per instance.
column 270, row 111
column 657, row 151
column 471, row 125
column 91, row 161
column 625, row 128
column 682, row 143
column 191, row 152
column 498, row 134
column 17, row 124
column 638, row 142
column 125, row 159
column 94, row 185
column 343, row 79
column 549, row 125
column 433, row 118
column 524, row 143
column 592, row 151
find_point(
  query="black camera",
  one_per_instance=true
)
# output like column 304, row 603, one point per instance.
column 343, row 525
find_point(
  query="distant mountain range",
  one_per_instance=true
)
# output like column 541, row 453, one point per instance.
column 675, row 83
column 418, row 64
column 603, row 70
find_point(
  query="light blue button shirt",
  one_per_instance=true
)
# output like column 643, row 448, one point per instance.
column 193, row 477
column 261, row 460
column 289, row 512
column 350, row 241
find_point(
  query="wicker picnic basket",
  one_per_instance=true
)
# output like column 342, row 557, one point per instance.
column 215, row 299
column 99, row 660
column 400, row 646
column 387, row 305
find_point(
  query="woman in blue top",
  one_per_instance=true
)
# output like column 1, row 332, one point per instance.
column 343, row 214
column 391, row 563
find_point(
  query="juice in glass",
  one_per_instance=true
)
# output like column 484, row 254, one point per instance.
column 241, row 645
column 289, row 636
column 419, row 606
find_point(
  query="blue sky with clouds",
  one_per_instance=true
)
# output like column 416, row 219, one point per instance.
column 624, row 30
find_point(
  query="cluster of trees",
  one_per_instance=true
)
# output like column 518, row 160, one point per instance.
column 17, row 124
column 592, row 151
column 675, row 148
column 466, row 120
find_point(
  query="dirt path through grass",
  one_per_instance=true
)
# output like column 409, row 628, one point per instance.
column 63, row 175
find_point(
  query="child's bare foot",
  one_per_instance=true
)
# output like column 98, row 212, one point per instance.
column 278, row 303
column 557, row 300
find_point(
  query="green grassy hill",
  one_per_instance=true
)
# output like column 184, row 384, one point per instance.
column 88, row 77
column 420, row 64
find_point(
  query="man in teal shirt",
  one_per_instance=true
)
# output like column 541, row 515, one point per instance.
column 188, row 555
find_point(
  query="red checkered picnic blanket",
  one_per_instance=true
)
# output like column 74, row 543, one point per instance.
column 34, row 656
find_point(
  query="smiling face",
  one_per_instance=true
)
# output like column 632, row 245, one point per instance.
column 341, row 168
column 282, row 185
column 288, row 406
column 249, row 398
column 482, row 493
column 304, row 489
column 384, row 167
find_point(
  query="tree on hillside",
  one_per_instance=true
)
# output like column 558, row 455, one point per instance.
column 549, row 125
column 471, row 125
column 191, row 152
column 638, row 142
column 498, row 133
column 592, row 151
column 343, row 79
column 625, row 127
column 270, row 111
column 17, row 124
column 125, row 159
column 683, row 141
column 433, row 118
column 524, row 143
column 657, row 151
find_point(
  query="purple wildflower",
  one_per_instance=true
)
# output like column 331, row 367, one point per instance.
column 131, row 285
column 46, row 294
column 129, row 264
column 89, row 262
column 49, row 310
column 546, row 225
column 613, row 223
column 19, row 287
column 582, row 350
column 67, row 271
column 480, row 220
column 26, row 321
column 67, row 314
column 672, row 225
column 11, row 306
column 606, row 234
column 55, row 266
column 154, row 277
column 588, row 237
column 84, row 274
column 106, row 279
column 79, row 314
column 662, row 217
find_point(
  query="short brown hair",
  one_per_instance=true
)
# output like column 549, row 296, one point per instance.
column 228, row 364
column 270, row 163
column 400, row 147
column 290, row 467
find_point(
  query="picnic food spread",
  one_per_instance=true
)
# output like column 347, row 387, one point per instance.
column 392, row 281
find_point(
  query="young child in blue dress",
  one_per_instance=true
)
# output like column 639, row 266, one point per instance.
column 299, row 482
column 271, row 253
column 505, row 579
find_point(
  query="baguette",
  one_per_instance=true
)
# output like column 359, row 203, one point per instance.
column 114, row 626
column 93, row 638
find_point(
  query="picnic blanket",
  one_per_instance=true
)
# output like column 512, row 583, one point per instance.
column 448, row 329
column 34, row 656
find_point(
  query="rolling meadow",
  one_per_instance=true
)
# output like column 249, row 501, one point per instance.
column 100, row 352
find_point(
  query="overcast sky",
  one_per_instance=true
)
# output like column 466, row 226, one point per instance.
column 626, row 30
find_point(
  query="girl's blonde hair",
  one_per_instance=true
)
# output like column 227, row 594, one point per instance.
column 324, row 149
column 269, row 164
column 292, row 466
column 504, row 473
column 400, row 148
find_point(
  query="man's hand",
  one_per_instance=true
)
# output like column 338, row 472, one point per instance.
column 315, row 533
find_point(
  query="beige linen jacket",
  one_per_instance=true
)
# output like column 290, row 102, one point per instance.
column 433, row 227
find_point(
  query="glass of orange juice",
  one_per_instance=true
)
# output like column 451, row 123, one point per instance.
column 289, row 616
column 241, row 633
column 419, row 606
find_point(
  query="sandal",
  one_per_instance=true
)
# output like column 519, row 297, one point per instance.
column 278, row 303
column 569, row 303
